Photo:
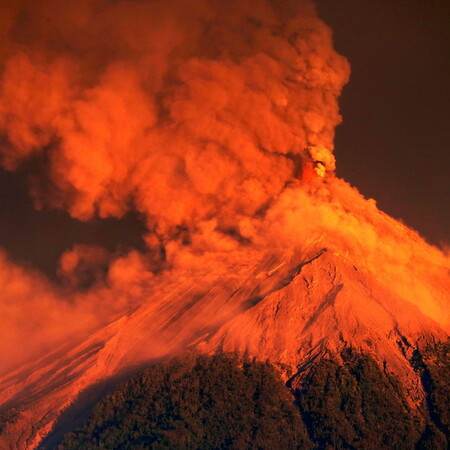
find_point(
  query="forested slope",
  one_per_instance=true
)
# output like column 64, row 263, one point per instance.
column 224, row 401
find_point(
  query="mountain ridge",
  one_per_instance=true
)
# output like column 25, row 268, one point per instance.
column 292, row 314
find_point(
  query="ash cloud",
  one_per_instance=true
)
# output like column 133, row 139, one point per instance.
column 184, row 111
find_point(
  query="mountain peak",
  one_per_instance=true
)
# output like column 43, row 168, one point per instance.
column 291, row 312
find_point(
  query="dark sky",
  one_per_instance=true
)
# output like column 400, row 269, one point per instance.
column 394, row 143
column 38, row 238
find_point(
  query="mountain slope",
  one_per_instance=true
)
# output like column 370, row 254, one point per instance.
column 291, row 312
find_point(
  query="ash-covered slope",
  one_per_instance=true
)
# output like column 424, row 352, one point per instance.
column 291, row 312
column 328, row 303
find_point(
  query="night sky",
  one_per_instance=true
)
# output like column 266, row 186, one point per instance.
column 393, row 144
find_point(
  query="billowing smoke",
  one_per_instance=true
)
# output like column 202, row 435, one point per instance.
column 182, row 110
column 213, row 119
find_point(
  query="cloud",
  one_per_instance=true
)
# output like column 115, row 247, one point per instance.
column 164, row 107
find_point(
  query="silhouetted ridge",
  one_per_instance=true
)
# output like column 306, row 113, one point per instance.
column 196, row 402
column 224, row 401
column 433, row 365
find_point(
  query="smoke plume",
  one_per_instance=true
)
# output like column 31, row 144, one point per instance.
column 212, row 119
column 185, row 111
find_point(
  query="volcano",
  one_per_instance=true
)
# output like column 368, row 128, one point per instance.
column 212, row 123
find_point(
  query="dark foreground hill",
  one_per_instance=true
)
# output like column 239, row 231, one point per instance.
column 223, row 401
